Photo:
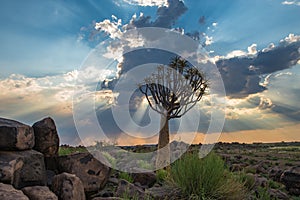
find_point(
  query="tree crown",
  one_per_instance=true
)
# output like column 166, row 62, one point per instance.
column 175, row 89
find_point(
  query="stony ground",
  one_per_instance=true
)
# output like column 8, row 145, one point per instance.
column 34, row 166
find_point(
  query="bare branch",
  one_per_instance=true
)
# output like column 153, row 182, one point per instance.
column 175, row 90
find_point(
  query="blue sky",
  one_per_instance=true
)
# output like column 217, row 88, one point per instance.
column 44, row 44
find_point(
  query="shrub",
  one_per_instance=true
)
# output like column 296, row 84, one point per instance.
column 206, row 178
column 161, row 175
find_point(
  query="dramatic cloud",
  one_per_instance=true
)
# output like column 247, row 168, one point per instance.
column 166, row 16
column 241, row 71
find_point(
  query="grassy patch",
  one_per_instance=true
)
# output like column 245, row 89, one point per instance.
column 161, row 175
column 67, row 150
column 206, row 178
column 287, row 148
column 126, row 176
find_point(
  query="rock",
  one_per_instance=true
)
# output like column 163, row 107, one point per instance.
column 91, row 171
column 22, row 168
column 275, row 173
column 145, row 179
column 50, row 175
column 164, row 192
column 51, row 163
column 7, row 192
column 46, row 137
column 39, row 193
column 260, row 181
column 68, row 187
column 291, row 179
column 128, row 190
column 277, row 194
column 262, row 166
column 15, row 135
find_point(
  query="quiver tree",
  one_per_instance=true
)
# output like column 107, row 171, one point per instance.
column 172, row 91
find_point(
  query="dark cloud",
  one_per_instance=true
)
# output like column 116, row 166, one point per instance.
column 166, row 16
column 241, row 75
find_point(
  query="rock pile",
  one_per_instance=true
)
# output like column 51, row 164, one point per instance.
column 30, row 167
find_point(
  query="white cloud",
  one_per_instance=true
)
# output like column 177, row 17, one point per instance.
column 266, row 81
column 208, row 40
column 158, row 3
column 236, row 53
column 270, row 47
column 112, row 28
column 252, row 49
column 297, row 3
column 291, row 38
column 265, row 103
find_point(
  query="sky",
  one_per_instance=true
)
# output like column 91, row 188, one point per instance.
column 52, row 49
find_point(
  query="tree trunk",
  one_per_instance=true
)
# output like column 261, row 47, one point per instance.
column 163, row 153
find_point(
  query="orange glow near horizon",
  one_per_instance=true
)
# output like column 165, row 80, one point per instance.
column 286, row 134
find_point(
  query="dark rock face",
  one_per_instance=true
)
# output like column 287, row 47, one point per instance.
column 7, row 192
column 15, row 135
column 145, row 179
column 23, row 168
column 291, row 179
column 39, row 193
column 46, row 137
column 128, row 190
column 91, row 171
column 68, row 187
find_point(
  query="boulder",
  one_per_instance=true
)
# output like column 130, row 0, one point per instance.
column 165, row 192
column 15, row 135
column 39, row 193
column 46, row 137
column 8, row 192
column 68, row 187
column 291, row 179
column 91, row 171
column 145, row 179
column 22, row 168
column 128, row 190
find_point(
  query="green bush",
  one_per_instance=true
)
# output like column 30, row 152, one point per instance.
column 161, row 175
column 206, row 178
